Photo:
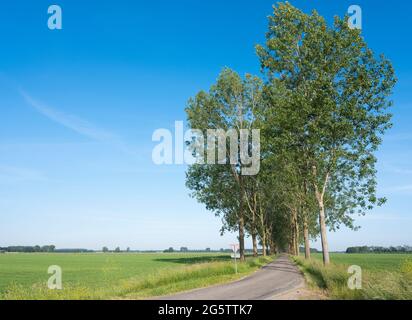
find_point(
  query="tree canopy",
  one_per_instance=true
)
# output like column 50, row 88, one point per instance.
column 322, row 107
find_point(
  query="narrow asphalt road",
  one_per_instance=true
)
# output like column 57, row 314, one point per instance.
column 271, row 280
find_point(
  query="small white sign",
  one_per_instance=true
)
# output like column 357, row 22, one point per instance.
column 234, row 247
column 235, row 255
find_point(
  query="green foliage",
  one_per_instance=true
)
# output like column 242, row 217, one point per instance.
column 322, row 111
column 334, row 99
column 331, row 97
column 230, row 104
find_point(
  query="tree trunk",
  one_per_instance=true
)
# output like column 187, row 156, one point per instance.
column 263, row 232
column 272, row 247
column 241, row 222
column 296, row 236
column 306, row 238
column 241, row 237
column 294, row 226
column 297, row 246
column 255, row 249
column 322, row 223
column 264, row 244
column 269, row 240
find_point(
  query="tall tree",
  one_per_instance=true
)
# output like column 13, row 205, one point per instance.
column 229, row 106
column 336, row 108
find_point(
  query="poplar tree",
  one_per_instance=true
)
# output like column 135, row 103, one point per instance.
column 229, row 105
column 335, row 108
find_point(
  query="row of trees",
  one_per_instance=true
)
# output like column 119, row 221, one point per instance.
column 321, row 106
column 50, row 248
column 185, row 249
column 117, row 249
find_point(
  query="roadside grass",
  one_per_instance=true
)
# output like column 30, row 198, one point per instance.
column 196, row 276
column 157, row 283
column 378, row 283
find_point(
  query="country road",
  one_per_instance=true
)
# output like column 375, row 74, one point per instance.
column 270, row 281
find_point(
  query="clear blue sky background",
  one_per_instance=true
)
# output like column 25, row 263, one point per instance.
column 78, row 108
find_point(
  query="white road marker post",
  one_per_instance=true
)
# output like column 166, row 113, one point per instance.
column 234, row 247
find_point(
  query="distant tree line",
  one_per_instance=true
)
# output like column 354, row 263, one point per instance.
column 312, row 250
column 73, row 250
column 49, row 248
column 117, row 250
column 221, row 250
column 366, row 249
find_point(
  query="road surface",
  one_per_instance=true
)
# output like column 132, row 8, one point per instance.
column 276, row 278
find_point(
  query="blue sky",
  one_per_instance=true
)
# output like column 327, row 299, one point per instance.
column 79, row 106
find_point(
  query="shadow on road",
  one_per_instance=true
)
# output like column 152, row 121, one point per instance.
column 281, row 268
column 193, row 260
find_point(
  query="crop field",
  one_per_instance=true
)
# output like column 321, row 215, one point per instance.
column 112, row 275
column 370, row 262
column 384, row 276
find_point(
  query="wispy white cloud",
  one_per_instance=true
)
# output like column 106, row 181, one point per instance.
column 11, row 174
column 76, row 124
column 72, row 122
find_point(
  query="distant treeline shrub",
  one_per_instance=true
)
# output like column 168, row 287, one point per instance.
column 366, row 249
column 50, row 248
column 312, row 250
column 208, row 250
column 74, row 250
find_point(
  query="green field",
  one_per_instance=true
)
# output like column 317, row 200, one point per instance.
column 384, row 276
column 105, row 276
column 370, row 262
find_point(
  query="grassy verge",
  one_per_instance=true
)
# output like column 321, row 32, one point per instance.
column 380, row 284
column 158, row 283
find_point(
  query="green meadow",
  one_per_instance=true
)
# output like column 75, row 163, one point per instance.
column 384, row 276
column 115, row 275
column 391, row 262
